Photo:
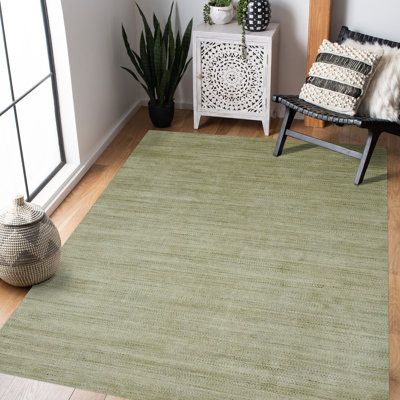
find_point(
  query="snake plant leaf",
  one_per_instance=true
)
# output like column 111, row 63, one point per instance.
column 169, row 41
column 179, row 78
column 186, row 66
column 131, row 54
column 158, row 56
column 126, row 41
column 168, row 27
column 149, row 38
column 163, row 57
column 156, row 23
column 171, row 48
column 137, row 79
column 146, row 65
column 137, row 59
column 132, row 73
column 144, row 57
column 149, row 35
column 178, row 51
column 186, row 40
column 178, row 41
column 176, row 78
column 163, row 87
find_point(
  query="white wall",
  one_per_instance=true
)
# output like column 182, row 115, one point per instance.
column 374, row 17
column 293, row 17
column 102, row 92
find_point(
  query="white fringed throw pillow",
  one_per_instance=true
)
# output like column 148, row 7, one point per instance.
column 382, row 99
column 339, row 78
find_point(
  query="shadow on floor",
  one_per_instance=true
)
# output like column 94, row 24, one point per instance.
column 375, row 179
column 296, row 149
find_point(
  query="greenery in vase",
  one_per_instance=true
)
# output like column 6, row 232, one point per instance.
column 213, row 3
column 162, row 59
column 241, row 13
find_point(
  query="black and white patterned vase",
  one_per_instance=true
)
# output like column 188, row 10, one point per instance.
column 258, row 15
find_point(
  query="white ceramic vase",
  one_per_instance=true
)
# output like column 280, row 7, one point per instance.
column 221, row 15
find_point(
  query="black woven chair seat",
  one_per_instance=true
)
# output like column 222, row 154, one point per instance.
column 310, row 110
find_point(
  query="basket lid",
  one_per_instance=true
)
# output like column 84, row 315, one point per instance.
column 21, row 213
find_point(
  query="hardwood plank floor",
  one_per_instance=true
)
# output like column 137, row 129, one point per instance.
column 5, row 383
column 114, row 398
column 26, row 389
column 84, row 395
column 74, row 208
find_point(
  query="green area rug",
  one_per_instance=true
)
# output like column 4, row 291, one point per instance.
column 211, row 270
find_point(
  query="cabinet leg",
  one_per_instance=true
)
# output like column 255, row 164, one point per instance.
column 266, row 126
column 196, row 117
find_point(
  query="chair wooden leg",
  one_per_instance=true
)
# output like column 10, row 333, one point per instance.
column 372, row 140
column 287, row 122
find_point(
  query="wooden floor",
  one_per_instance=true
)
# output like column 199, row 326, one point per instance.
column 78, row 203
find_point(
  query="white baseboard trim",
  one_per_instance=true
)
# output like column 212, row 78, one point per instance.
column 78, row 172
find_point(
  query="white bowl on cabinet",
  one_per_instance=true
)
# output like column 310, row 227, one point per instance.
column 221, row 15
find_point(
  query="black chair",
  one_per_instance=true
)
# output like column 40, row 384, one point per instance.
column 375, row 127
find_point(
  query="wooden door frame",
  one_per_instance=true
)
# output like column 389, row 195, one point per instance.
column 318, row 29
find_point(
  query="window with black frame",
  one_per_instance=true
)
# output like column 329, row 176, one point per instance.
column 31, row 145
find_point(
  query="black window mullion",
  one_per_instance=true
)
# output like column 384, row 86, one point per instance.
column 46, row 181
column 16, row 101
column 50, row 53
column 14, row 107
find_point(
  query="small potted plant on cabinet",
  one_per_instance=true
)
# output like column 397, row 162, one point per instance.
column 160, row 65
column 218, row 12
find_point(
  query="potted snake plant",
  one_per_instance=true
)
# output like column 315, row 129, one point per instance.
column 159, row 65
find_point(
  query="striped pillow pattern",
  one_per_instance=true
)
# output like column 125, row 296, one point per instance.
column 339, row 78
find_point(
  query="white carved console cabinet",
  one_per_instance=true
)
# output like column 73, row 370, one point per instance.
column 225, row 84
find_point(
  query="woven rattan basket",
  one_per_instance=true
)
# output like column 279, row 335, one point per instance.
column 30, row 245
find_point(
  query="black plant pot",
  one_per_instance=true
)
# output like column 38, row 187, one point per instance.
column 258, row 15
column 161, row 116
